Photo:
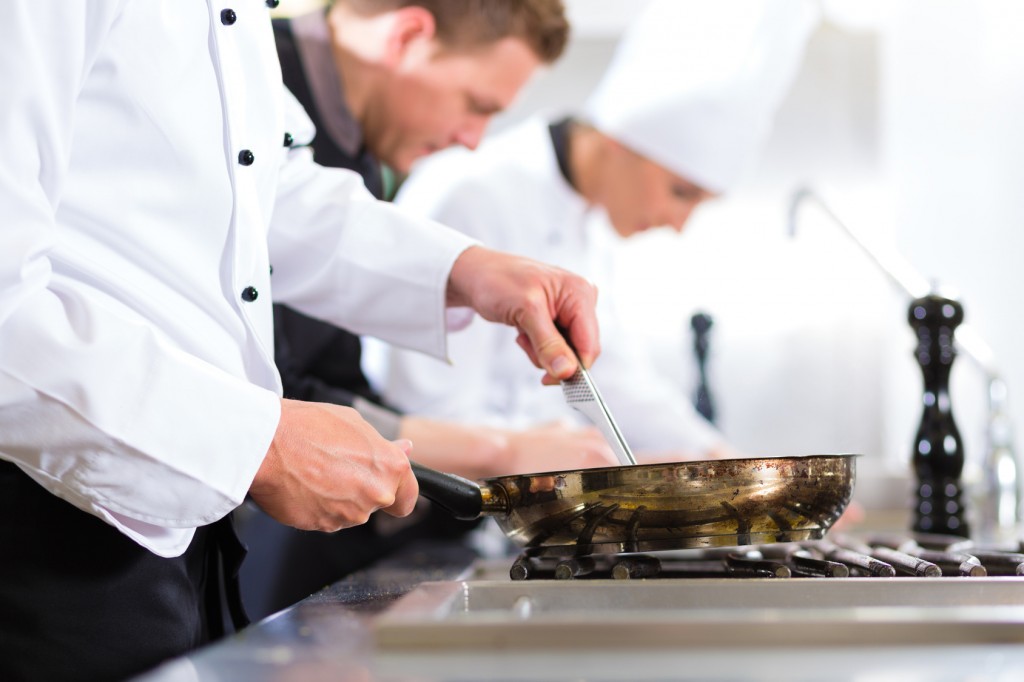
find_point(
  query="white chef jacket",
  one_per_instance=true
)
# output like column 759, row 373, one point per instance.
column 511, row 196
column 145, row 192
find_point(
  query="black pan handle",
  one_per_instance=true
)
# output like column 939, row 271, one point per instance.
column 453, row 493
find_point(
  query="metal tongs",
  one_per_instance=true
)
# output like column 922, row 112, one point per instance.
column 582, row 395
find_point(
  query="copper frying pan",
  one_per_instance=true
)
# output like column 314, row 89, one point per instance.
column 651, row 507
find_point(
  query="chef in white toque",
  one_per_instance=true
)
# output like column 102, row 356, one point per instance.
column 681, row 113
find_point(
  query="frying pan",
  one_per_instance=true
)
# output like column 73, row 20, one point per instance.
column 652, row 507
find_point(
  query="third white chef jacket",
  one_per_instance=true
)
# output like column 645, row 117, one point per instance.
column 511, row 196
column 146, row 189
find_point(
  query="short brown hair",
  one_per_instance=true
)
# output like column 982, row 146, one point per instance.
column 541, row 24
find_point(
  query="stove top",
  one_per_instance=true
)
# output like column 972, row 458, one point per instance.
column 882, row 556
column 436, row 612
column 881, row 590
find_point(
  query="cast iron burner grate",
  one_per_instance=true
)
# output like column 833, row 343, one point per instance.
column 918, row 555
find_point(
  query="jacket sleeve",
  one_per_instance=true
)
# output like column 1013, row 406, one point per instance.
column 91, row 396
column 344, row 257
column 472, row 388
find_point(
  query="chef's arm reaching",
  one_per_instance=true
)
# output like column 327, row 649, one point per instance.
column 476, row 451
column 409, row 269
column 328, row 469
column 405, row 264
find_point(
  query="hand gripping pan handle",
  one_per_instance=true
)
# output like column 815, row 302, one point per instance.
column 461, row 498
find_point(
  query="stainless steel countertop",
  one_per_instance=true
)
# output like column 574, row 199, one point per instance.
column 330, row 636
column 326, row 636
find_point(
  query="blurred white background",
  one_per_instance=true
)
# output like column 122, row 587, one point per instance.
column 907, row 118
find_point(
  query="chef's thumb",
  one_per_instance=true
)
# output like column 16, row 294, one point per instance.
column 548, row 348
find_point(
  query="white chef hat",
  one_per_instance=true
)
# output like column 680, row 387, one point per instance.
column 694, row 84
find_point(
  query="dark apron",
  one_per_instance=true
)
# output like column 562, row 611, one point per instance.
column 81, row 601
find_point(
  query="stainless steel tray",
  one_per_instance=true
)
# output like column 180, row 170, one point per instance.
column 705, row 613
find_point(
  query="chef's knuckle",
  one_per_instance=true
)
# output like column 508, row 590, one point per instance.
column 399, row 463
column 357, row 517
column 323, row 523
column 550, row 347
column 534, row 302
column 304, row 523
column 326, row 526
column 386, row 499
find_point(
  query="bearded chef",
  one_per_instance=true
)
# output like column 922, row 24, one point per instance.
column 683, row 108
column 155, row 188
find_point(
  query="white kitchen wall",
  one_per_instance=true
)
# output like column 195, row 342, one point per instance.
column 906, row 115
column 953, row 104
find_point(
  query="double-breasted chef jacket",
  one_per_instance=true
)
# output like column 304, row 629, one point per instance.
column 155, row 196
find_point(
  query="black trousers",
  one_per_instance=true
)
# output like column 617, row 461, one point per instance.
column 80, row 601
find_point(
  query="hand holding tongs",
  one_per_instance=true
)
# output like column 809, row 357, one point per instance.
column 581, row 394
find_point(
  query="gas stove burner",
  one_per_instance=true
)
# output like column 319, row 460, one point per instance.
column 917, row 555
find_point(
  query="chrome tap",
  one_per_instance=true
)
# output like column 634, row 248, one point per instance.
column 1001, row 505
column 1000, row 501
column 892, row 264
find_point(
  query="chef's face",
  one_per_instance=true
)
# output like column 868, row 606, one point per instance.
column 440, row 97
column 639, row 194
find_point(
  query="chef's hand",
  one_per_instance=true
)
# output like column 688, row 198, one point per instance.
column 474, row 451
column 558, row 446
column 533, row 298
column 328, row 469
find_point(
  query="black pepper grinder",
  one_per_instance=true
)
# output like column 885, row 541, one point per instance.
column 938, row 451
column 701, row 324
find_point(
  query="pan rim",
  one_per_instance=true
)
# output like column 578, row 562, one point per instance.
column 657, row 465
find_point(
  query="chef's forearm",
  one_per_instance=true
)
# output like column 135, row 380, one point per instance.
column 154, row 473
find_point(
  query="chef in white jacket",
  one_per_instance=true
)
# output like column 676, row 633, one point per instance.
column 154, row 188
column 684, row 106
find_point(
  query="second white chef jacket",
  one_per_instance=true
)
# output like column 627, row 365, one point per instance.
column 511, row 196
column 147, row 186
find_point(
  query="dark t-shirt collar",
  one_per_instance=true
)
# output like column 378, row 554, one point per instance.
column 559, row 131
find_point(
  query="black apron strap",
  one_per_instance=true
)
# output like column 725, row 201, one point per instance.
column 226, row 612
